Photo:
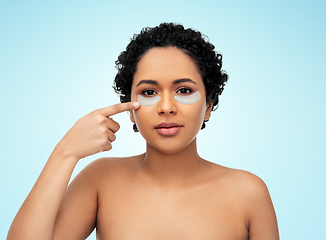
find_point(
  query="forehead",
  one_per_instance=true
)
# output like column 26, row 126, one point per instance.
column 164, row 64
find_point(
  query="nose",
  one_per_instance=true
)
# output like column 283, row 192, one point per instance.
column 166, row 105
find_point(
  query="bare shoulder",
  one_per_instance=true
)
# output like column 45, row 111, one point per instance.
column 243, row 187
column 248, row 182
column 251, row 193
column 243, row 182
column 252, row 188
column 109, row 167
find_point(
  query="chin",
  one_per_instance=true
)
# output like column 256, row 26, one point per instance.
column 168, row 151
column 170, row 146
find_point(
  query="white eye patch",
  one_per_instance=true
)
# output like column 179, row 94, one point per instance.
column 188, row 99
column 144, row 101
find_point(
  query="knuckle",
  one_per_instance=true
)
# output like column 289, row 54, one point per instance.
column 105, row 146
column 106, row 131
column 103, row 143
column 102, row 120
column 103, row 130
column 93, row 113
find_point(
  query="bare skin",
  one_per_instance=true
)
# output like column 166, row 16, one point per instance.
column 169, row 192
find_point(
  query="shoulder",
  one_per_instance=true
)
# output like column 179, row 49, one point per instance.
column 254, row 191
column 248, row 182
column 253, row 188
column 257, row 205
column 109, row 167
column 247, row 188
column 252, row 194
column 241, row 180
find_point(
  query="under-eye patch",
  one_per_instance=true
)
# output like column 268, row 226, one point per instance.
column 188, row 99
column 148, row 101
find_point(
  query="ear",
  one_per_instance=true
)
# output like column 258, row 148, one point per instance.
column 209, row 106
column 132, row 117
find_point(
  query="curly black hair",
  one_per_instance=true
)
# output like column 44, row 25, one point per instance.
column 190, row 41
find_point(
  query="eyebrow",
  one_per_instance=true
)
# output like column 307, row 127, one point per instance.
column 153, row 82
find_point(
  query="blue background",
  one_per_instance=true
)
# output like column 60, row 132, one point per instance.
column 57, row 64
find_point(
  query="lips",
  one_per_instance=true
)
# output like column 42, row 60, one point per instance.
column 168, row 128
column 167, row 125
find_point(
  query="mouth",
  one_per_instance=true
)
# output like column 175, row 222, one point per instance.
column 168, row 128
column 167, row 125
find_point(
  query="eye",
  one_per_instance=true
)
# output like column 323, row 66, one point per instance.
column 148, row 92
column 184, row 90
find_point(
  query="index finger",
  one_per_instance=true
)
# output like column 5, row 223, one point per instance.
column 118, row 108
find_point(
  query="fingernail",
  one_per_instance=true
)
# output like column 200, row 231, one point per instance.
column 136, row 104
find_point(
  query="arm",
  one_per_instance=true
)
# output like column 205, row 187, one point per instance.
column 36, row 217
column 93, row 133
column 76, row 217
column 262, row 217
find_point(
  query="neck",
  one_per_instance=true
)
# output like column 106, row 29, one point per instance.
column 173, row 169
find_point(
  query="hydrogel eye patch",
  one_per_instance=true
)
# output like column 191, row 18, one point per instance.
column 188, row 99
column 144, row 101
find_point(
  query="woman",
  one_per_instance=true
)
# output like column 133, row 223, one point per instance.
column 169, row 78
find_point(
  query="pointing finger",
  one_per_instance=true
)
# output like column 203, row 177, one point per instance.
column 118, row 108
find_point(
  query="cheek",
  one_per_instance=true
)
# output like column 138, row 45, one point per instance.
column 194, row 112
column 144, row 114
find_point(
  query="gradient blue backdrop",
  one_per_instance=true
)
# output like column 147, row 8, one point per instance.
column 57, row 64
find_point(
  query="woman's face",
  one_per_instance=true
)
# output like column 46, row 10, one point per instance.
column 171, row 114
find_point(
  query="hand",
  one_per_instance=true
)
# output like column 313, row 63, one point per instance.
column 93, row 133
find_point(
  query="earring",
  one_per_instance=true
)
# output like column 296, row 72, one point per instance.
column 134, row 127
